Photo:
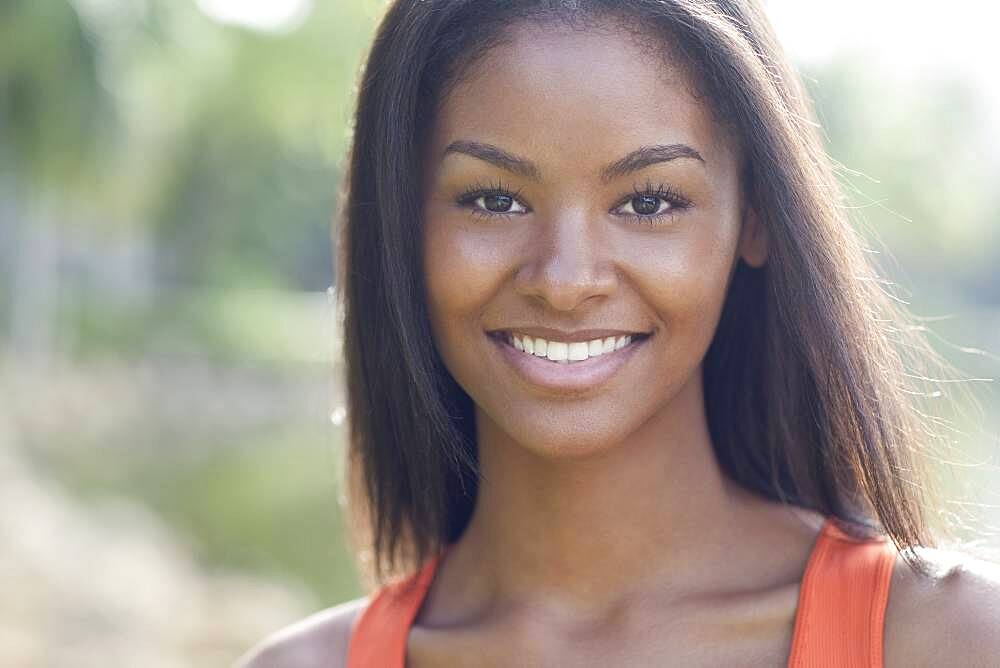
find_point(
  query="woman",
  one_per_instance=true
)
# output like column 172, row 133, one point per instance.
column 621, row 386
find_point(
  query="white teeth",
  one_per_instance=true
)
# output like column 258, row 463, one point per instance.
column 568, row 352
column 557, row 351
column 541, row 347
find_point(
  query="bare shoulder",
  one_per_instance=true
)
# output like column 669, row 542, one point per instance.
column 318, row 640
column 951, row 617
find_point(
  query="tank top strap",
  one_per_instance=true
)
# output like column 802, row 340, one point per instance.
column 842, row 598
column 379, row 633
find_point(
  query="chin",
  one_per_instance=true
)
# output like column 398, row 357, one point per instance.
column 587, row 436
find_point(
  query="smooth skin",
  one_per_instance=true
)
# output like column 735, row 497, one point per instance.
column 605, row 532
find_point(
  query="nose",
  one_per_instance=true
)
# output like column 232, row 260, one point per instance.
column 569, row 263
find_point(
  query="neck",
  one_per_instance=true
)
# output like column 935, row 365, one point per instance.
column 586, row 534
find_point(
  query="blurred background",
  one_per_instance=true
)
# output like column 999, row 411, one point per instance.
column 171, row 416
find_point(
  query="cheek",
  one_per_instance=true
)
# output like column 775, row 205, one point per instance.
column 463, row 269
column 684, row 279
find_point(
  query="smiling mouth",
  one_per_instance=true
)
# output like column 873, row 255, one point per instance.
column 567, row 352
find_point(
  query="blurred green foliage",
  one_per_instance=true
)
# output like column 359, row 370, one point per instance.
column 220, row 144
column 260, row 500
column 185, row 173
column 54, row 111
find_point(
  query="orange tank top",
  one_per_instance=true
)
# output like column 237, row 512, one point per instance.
column 838, row 621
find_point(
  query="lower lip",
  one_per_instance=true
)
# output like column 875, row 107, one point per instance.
column 574, row 377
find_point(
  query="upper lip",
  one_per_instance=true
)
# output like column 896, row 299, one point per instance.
column 576, row 336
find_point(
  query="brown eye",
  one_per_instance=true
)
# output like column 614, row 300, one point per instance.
column 652, row 204
column 497, row 203
column 493, row 203
column 645, row 205
column 492, row 200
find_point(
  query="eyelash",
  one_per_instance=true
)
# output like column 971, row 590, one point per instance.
column 676, row 201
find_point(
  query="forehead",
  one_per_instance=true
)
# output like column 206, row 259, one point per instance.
column 587, row 95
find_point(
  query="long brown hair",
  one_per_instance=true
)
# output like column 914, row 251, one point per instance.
column 811, row 381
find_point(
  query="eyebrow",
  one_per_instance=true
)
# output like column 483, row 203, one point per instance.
column 643, row 156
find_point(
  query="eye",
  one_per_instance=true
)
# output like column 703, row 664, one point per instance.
column 492, row 200
column 646, row 205
column 650, row 203
column 499, row 202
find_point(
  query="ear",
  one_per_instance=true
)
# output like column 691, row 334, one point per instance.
column 754, row 241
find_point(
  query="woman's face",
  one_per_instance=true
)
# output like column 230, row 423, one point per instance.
column 577, row 193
